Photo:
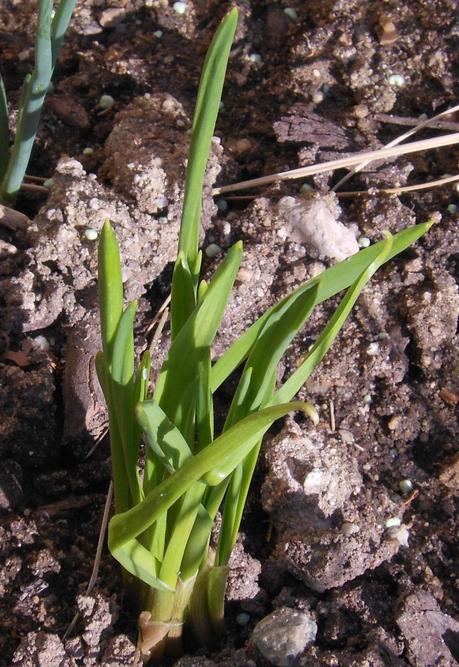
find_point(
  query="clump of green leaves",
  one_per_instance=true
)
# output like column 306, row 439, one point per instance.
column 51, row 27
column 161, row 531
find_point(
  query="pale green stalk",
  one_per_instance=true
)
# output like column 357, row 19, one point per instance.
column 49, row 35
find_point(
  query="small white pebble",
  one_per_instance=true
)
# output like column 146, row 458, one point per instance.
column 394, row 423
column 242, row 619
column 349, row 528
column 40, row 343
column 367, row 400
column 452, row 208
column 48, row 183
column 282, row 233
column 400, row 534
column 392, row 522
column 405, row 485
column 318, row 97
column 373, row 349
column 255, row 58
column 91, row 234
column 306, row 188
column 383, row 335
column 179, row 7
column 106, row 102
column 158, row 34
column 88, row 151
column 396, row 80
column 212, row 250
column 363, row 241
column 222, row 205
column 291, row 13
column 162, row 201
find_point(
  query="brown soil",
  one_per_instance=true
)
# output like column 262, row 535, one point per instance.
column 299, row 89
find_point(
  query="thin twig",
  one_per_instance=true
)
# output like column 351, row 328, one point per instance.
column 369, row 156
column 398, row 140
column 98, row 440
column 159, row 330
column 36, row 179
column 331, row 407
column 397, row 191
column 414, row 122
column 163, row 307
column 100, row 546
column 12, row 219
column 32, row 187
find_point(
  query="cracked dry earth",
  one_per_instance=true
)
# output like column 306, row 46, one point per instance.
column 348, row 555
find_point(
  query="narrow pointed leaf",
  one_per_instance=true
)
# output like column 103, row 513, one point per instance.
column 180, row 371
column 330, row 282
column 333, row 327
column 4, row 131
column 110, row 287
column 205, row 115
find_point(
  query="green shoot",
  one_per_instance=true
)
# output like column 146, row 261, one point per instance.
column 51, row 28
column 161, row 531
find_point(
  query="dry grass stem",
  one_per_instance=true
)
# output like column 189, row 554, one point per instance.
column 397, row 191
column 407, row 121
column 398, row 140
column 368, row 156
column 33, row 187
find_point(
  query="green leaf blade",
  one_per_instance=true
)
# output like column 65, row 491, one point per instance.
column 110, row 287
column 205, row 116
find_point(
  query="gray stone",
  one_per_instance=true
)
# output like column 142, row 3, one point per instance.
column 282, row 636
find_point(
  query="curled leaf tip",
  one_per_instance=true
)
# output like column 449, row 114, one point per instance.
column 311, row 412
column 434, row 219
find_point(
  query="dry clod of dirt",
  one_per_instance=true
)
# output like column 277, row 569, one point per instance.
column 42, row 649
column 330, row 528
column 147, row 154
column 98, row 616
column 432, row 636
column 120, row 652
column 309, row 477
column 283, row 635
column 243, row 575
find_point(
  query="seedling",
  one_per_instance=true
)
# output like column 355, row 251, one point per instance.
column 51, row 27
column 161, row 532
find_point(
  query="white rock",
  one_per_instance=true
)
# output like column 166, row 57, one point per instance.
column 313, row 220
